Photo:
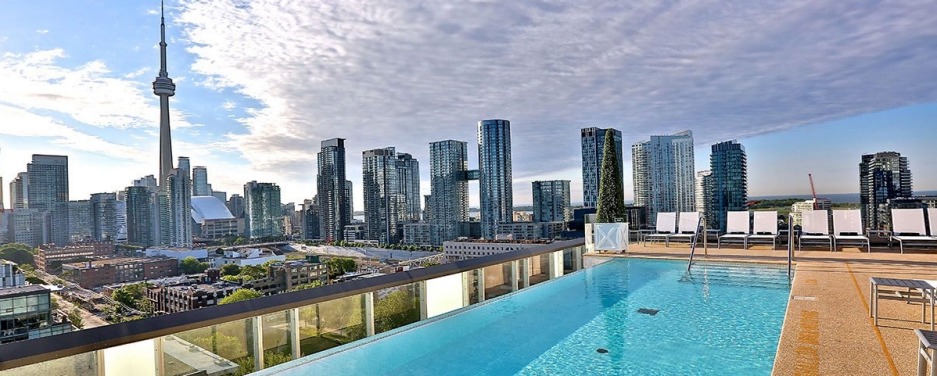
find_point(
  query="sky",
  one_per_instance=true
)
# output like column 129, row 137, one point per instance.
column 805, row 86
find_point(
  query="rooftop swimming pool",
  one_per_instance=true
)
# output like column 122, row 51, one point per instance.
column 623, row 317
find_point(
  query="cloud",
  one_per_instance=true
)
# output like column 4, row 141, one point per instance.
column 42, row 31
column 384, row 73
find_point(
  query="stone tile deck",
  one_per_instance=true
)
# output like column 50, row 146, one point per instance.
column 827, row 329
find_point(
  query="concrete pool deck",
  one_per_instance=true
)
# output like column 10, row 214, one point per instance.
column 827, row 329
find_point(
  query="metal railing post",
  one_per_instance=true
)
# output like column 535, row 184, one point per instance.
column 790, row 245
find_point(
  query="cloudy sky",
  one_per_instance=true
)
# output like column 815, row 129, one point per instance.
column 807, row 86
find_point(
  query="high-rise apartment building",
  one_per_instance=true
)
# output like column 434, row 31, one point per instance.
column 333, row 190
column 103, row 217
column 310, row 219
column 349, row 199
column 200, row 186
column 27, row 226
column 79, row 221
column 704, row 196
column 551, row 201
column 48, row 191
column 448, row 202
column 140, row 227
column 664, row 174
column 220, row 195
column 19, row 191
column 593, row 150
column 494, row 175
column 262, row 210
column 175, row 207
column 882, row 176
column 235, row 205
column 408, row 177
column 729, row 166
column 380, row 185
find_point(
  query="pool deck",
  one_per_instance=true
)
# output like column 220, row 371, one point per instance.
column 827, row 329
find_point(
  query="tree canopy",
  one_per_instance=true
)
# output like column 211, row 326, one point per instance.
column 611, row 203
column 341, row 265
column 230, row 269
column 191, row 265
column 240, row 295
column 18, row 253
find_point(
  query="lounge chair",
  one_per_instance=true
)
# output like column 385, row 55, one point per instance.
column 908, row 228
column 737, row 228
column 688, row 229
column 847, row 227
column 665, row 227
column 815, row 227
column 766, row 227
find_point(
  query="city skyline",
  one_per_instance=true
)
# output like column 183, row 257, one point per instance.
column 234, row 114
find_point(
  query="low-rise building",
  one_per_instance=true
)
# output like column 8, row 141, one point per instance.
column 419, row 233
column 283, row 276
column 96, row 273
column 462, row 250
column 188, row 294
column 26, row 310
column 531, row 230
column 176, row 253
column 355, row 232
column 50, row 257
column 247, row 256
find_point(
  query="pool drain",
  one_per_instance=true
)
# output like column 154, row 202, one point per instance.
column 601, row 351
column 648, row 311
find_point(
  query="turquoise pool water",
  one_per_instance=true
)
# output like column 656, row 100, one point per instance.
column 723, row 319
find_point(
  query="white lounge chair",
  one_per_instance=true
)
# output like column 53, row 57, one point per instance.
column 847, row 227
column 689, row 225
column 908, row 228
column 737, row 228
column 666, row 226
column 766, row 227
column 815, row 227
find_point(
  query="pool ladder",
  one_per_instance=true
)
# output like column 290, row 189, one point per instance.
column 790, row 244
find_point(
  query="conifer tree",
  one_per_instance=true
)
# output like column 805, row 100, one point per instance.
column 611, row 203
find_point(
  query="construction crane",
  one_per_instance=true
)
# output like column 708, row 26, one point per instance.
column 813, row 191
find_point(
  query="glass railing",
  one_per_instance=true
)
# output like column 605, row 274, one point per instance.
column 247, row 336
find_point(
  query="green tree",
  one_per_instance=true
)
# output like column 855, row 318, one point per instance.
column 611, row 202
column 19, row 253
column 74, row 317
column 253, row 271
column 133, row 295
column 341, row 265
column 191, row 265
column 230, row 269
column 240, row 295
column 397, row 309
column 306, row 286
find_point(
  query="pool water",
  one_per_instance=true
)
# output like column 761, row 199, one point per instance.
column 722, row 319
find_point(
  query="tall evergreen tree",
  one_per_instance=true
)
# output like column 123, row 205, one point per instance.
column 611, row 203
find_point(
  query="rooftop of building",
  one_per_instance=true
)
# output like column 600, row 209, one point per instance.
column 114, row 261
column 209, row 208
column 487, row 241
column 8, row 292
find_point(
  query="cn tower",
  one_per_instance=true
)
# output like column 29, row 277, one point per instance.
column 164, row 88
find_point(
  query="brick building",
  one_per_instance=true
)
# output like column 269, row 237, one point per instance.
column 91, row 274
column 50, row 257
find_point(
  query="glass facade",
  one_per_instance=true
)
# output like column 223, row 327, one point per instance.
column 593, row 149
column 882, row 176
column 382, row 198
column 47, row 191
column 334, row 195
column 495, row 177
column 551, row 201
column 448, row 202
column 262, row 211
column 664, row 174
column 729, row 166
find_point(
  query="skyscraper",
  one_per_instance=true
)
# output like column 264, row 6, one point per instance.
column 551, row 201
column 48, row 192
column 19, row 191
column 379, row 186
column 200, row 186
column 593, row 148
column 262, row 210
column 236, row 205
column 349, row 200
column 882, row 176
column 495, row 178
column 729, row 166
column 175, row 207
column 704, row 196
column 139, row 216
column 310, row 219
column 103, row 219
column 448, row 201
column 664, row 174
column 220, row 195
column 331, row 188
column 408, row 176
column 79, row 220
column 164, row 88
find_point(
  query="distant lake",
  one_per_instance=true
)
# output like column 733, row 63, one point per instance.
column 840, row 198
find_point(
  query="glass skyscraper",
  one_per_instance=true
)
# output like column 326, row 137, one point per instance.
column 408, row 177
column 551, row 201
column 262, row 210
column 334, row 203
column 48, row 192
column 882, row 176
column 139, row 216
column 448, row 201
column 200, row 185
column 495, row 178
column 103, row 220
column 381, row 197
column 729, row 166
column 79, row 220
column 664, row 174
column 593, row 149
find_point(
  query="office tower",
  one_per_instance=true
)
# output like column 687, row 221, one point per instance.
column 448, row 199
column 495, row 178
column 262, row 210
column 103, row 221
column 349, row 200
column 333, row 190
column 310, row 216
column 221, row 196
column 551, row 201
column 729, row 166
column 149, row 182
column 235, row 205
column 664, row 174
column 120, row 218
column 27, row 226
column 408, row 176
column 175, row 208
column 593, row 148
column 704, row 196
column 79, row 221
column 200, row 186
column 380, row 188
column 140, row 225
column 19, row 191
column 164, row 88
column 882, row 176
column 427, row 209
column 48, row 191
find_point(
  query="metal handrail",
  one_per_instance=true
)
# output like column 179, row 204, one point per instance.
column 699, row 223
column 790, row 245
